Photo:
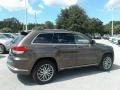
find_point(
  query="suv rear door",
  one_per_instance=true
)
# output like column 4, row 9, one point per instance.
column 42, row 45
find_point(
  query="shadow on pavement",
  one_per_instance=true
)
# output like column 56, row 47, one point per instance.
column 67, row 74
column 2, row 55
column 27, row 80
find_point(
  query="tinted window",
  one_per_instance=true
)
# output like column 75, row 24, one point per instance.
column 64, row 38
column 80, row 39
column 44, row 38
column 19, row 37
column 55, row 38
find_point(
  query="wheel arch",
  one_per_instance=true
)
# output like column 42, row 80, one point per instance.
column 53, row 60
column 4, row 47
column 107, row 53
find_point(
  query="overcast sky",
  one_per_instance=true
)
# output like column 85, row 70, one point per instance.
column 48, row 10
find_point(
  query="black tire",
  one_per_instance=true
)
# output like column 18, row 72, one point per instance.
column 2, row 49
column 118, row 42
column 106, row 63
column 36, row 71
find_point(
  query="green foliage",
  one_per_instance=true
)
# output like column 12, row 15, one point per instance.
column 33, row 26
column 71, row 18
column 39, row 27
column 49, row 25
column 95, row 26
column 30, row 26
column 6, row 30
column 108, row 26
column 11, row 23
column 74, row 18
column 14, row 26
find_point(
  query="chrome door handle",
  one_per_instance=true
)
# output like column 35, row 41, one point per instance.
column 80, row 47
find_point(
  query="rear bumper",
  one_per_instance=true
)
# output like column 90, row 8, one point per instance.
column 18, row 71
column 18, row 66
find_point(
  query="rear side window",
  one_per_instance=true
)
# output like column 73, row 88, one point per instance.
column 44, row 38
column 63, row 38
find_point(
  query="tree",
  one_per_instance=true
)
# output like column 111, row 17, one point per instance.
column 33, row 26
column 49, row 25
column 72, row 18
column 108, row 26
column 95, row 26
column 11, row 23
column 6, row 30
column 39, row 27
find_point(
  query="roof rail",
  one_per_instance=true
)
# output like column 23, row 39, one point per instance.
column 57, row 29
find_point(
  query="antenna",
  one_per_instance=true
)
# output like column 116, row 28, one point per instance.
column 26, row 28
column 36, row 19
column 112, row 28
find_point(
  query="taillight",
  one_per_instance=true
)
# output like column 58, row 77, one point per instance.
column 19, row 49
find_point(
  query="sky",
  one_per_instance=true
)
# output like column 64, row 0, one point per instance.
column 48, row 10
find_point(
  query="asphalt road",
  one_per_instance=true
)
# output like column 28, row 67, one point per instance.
column 89, row 78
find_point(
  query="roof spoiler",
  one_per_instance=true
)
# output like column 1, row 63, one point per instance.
column 24, row 33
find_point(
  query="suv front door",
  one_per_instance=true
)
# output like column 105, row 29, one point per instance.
column 87, row 54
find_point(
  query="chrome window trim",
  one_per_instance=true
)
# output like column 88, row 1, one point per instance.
column 16, row 69
column 54, row 43
column 96, row 64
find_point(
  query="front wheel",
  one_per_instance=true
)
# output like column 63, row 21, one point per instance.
column 2, row 49
column 44, row 72
column 106, row 63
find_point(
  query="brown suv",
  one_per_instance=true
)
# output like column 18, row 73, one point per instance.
column 43, row 53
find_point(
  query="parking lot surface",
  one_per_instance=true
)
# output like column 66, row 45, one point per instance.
column 89, row 78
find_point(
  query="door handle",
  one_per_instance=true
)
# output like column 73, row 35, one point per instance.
column 55, row 47
column 87, row 47
column 80, row 47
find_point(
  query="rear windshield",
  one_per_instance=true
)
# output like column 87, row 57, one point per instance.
column 18, row 39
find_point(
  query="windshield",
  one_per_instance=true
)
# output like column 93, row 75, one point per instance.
column 9, row 35
column 2, row 36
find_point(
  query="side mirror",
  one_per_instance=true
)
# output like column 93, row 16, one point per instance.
column 93, row 42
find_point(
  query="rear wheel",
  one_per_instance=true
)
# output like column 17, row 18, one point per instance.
column 106, row 62
column 44, row 72
column 2, row 49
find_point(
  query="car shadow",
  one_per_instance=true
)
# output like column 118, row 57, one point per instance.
column 2, row 55
column 67, row 74
column 26, row 80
